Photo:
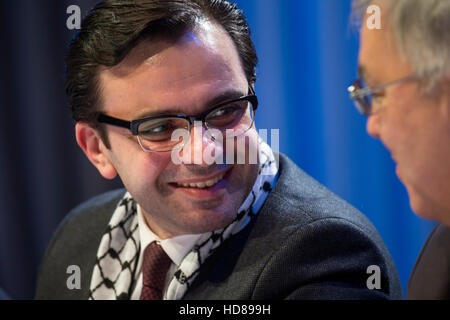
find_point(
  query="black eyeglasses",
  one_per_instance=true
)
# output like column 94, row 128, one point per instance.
column 156, row 134
column 363, row 96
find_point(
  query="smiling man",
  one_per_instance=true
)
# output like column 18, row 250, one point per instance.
column 199, row 70
column 138, row 73
column 405, row 92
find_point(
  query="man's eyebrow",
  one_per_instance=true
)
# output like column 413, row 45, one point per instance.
column 226, row 96
column 362, row 73
column 222, row 97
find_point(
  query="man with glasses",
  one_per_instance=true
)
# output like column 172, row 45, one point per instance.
column 158, row 90
column 404, row 89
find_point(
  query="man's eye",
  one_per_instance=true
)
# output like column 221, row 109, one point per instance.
column 155, row 130
column 226, row 117
column 223, row 112
column 161, row 130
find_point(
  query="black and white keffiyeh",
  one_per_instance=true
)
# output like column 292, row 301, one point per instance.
column 117, row 257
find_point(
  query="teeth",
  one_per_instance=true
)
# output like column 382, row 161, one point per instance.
column 202, row 185
column 210, row 183
column 197, row 185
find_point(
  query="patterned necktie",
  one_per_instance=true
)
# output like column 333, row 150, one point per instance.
column 155, row 266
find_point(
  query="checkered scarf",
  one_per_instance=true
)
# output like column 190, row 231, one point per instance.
column 114, row 271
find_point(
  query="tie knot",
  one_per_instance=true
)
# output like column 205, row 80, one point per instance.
column 154, row 270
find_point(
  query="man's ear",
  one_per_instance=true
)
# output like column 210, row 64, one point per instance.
column 90, row 142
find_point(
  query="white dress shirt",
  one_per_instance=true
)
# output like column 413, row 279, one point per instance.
column 176, row 248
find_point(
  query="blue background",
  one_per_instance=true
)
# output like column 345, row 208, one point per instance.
column 308, row 57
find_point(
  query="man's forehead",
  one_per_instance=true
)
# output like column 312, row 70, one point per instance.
column 155, row 52
column 201, row 59
column 150, row 50
column 379, row 57
column 145, row 52
column 376, row 51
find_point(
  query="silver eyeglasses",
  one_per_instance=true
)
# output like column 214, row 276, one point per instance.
column 232, row 118
column 363, row 96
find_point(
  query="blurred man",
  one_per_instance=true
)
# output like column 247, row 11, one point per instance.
column 140, row 73
column 404, row 89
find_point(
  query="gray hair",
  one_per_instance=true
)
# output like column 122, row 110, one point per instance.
column 421, row 30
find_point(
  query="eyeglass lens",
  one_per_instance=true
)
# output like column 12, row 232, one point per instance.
column 231, row 120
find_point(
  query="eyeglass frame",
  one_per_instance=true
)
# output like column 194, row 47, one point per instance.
column 133, row 125
column 356, row 94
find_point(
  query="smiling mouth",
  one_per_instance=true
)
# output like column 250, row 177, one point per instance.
column 203, row 184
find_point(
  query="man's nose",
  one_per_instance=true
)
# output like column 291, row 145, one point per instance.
column 373, row 126
column 203, row 149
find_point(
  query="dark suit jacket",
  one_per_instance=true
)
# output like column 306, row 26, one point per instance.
column 305, row 243
column 430, row 278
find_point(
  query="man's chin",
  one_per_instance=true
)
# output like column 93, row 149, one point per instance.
column 430, row 211
column 422, row 206
column 204, row 223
